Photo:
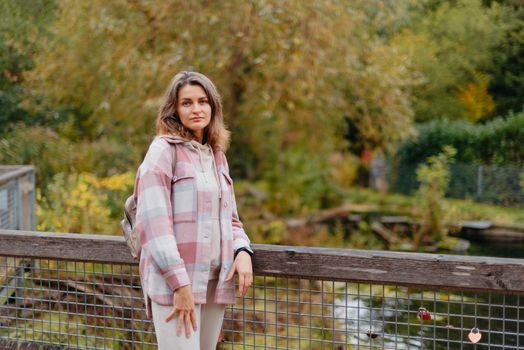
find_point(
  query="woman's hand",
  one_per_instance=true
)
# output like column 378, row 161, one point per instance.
column 184, row 308
column 242, row 265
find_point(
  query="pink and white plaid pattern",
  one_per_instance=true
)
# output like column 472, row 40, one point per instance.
column 175, row 246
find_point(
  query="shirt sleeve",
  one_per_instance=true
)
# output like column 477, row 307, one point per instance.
column 154, row 218
column 240, row 238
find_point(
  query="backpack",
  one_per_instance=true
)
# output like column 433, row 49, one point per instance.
column 128, row 223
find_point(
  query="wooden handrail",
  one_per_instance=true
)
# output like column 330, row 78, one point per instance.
column 441, row 271
column 12, row 172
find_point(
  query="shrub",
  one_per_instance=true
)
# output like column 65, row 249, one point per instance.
column 52, row 153
column 496, row 142
column 83, row 203
column 434, row 179
column 301, row 182
column 489, row 158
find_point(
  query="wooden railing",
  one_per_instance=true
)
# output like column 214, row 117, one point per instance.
column 454, row 274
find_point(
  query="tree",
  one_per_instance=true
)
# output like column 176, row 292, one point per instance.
column 289, row 72
column 451, row 44
column 507, row 71
column 21, row 25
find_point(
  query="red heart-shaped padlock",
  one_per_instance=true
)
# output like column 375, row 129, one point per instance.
column 424, row 314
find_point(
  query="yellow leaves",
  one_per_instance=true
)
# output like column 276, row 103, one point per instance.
column 288, row 71
column 118, row 182
column 82, row 203
column 344, row 167
column 476, row 99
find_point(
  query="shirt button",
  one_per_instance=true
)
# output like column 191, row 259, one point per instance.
column 225, row 204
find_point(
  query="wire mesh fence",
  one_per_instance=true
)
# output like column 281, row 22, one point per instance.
column 283, row 313
column 17, row 208
column 74, row 304
column 498, row 184
column 86, row 305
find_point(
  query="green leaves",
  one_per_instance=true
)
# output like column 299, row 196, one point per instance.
column 21, row 25
column 450, row 42
column 291, row 73
column 496, row 142
column 434, row 179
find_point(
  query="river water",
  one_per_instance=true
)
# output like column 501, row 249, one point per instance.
column 391, row 314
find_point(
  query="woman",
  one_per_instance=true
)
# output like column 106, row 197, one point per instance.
column 192, row 239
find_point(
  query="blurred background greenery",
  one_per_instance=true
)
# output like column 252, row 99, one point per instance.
column 315, row 93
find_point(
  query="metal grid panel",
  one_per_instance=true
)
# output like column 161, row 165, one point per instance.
column 93, row 306
column 281, row 313
column 484, row 183
column 9, row 206
column 75, row 304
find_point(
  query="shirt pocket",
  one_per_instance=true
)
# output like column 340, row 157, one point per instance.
column 184, row 197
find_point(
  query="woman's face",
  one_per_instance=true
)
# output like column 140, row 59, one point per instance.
column 194, row 109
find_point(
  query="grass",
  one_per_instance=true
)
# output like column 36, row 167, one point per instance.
column 272, row 229
column 457, row 209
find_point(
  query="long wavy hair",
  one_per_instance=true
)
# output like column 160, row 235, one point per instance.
column 168, row 121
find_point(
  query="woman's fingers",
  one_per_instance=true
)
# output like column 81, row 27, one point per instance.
column 193, row 320
column 242, row 265
column 231, row 272
column 184, row 308
column 171, row 315
column 187, row 317
column 180, row 324
column 187, row 320
column 248, row 282
column 244, row 282
column 241, row 278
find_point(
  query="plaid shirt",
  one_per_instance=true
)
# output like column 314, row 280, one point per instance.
column 175, row 247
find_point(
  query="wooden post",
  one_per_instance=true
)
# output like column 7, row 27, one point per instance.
column 27, row 200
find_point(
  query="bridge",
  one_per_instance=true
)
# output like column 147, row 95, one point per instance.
column 82, row 291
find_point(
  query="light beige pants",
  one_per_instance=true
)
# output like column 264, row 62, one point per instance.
column 209, row 322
